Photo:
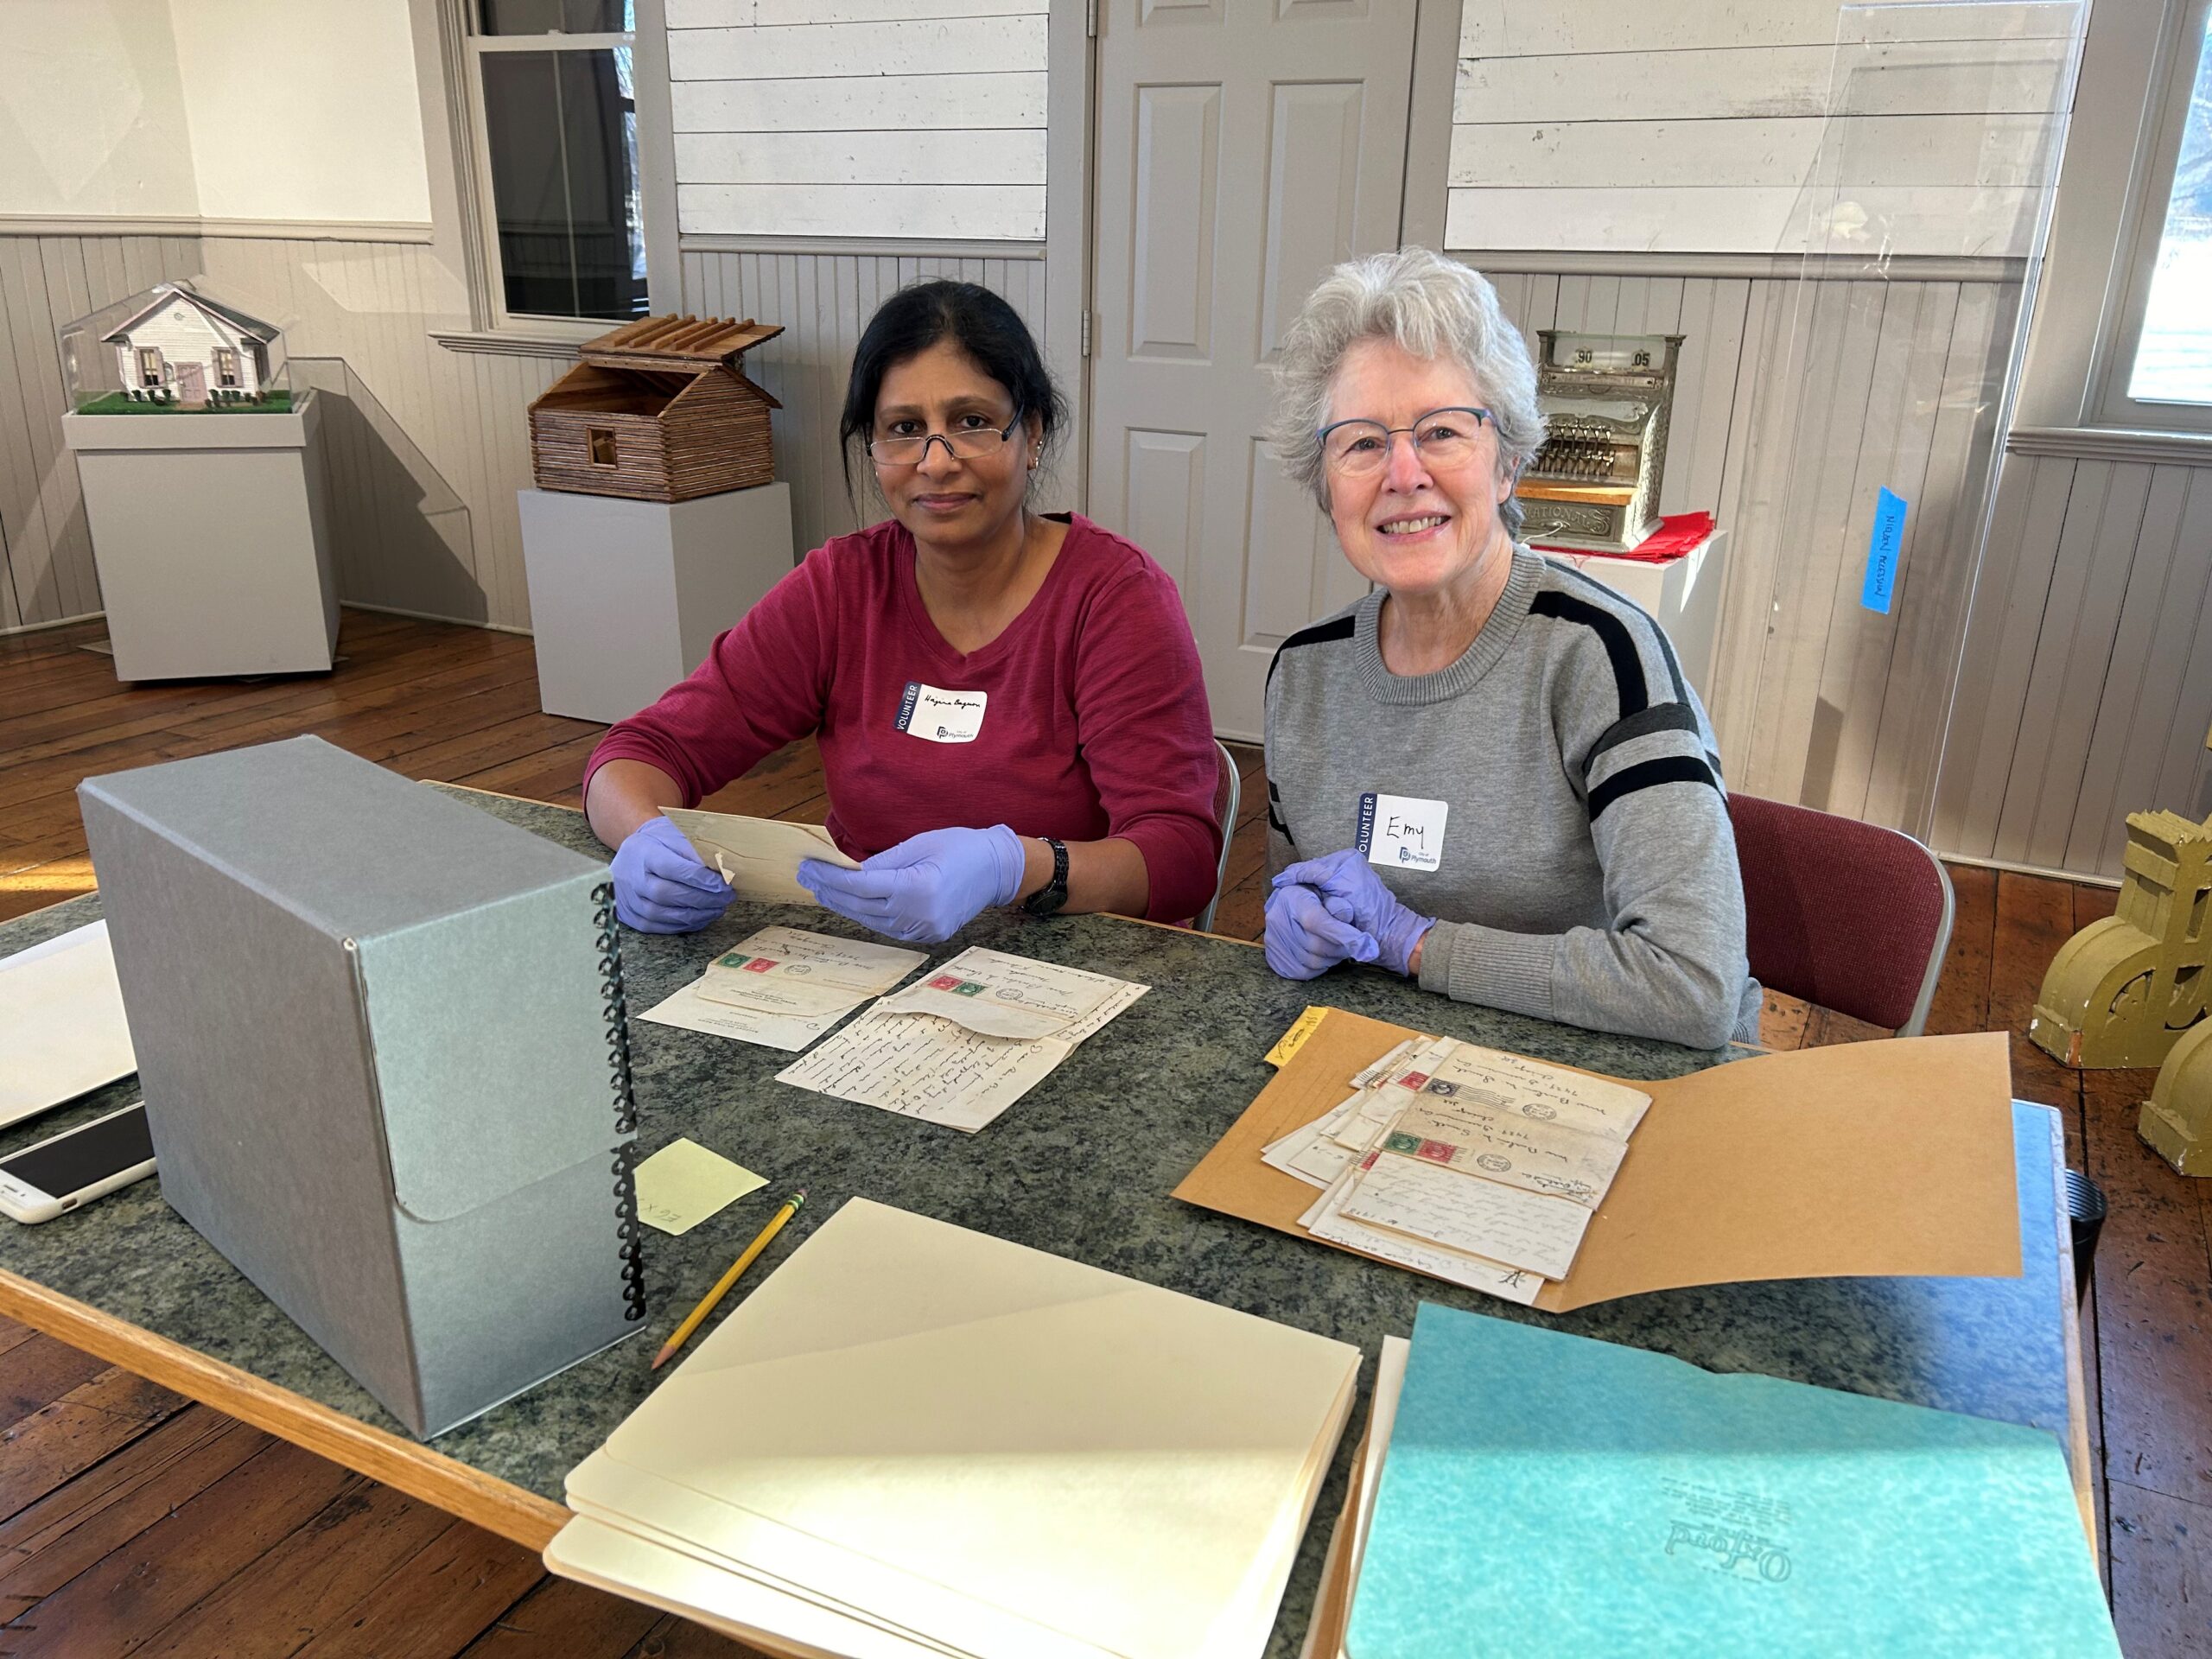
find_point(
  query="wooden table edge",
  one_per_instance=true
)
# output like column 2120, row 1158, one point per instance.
column 520, row 1516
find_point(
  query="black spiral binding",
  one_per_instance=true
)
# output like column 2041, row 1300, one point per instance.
column 628, row 1229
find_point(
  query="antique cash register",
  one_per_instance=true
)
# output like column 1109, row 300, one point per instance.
column 1605, row 397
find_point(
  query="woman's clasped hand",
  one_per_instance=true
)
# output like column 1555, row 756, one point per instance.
column 1335, row 909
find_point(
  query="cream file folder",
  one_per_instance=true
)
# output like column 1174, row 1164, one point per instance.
column 913, row 1439
column 62, row 1023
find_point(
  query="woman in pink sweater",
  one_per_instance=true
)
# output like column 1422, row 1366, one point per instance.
column 1008, row 705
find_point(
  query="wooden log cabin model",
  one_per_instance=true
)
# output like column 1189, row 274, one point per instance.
column 658, row 411
column 1605, row 399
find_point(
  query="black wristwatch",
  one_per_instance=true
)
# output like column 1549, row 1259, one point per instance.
column 1054, row 893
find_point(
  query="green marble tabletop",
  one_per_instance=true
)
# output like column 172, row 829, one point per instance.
column 1081, row 1167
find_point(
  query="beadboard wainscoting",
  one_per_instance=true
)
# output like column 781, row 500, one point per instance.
column 2086, row 689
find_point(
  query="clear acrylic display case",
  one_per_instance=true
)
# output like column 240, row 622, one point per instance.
column 172, row 350
column 1860, row 522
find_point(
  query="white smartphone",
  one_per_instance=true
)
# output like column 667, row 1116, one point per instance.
column 69, row 1170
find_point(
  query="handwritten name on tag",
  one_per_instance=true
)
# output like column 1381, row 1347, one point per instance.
column 939, row 716
column 1401, row 832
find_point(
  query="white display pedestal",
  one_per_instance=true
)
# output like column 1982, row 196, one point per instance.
column 1683, row 595
column 211, row 541
column 626, row 596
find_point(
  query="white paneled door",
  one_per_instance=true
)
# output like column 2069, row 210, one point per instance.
column 1244, row 147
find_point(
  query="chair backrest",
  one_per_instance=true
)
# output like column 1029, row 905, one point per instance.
column 1848, row 915
column 1228, row 795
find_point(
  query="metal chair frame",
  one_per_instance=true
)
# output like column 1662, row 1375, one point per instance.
column 1235, row 783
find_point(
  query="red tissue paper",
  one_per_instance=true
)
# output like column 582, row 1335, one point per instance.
column 1677, row 535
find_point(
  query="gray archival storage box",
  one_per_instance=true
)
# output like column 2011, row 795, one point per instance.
column 379, row 1034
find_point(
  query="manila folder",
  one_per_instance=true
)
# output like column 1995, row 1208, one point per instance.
column 1856, row 1160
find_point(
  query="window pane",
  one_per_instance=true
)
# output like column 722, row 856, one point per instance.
column 2173, row 360
column 557, row 16
column 563, row 136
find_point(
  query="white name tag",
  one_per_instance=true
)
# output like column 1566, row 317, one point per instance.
column 941, row 716
column 1402, row 832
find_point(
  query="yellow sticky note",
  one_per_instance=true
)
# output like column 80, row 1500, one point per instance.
column 683, row 1184
column 1293, row 1040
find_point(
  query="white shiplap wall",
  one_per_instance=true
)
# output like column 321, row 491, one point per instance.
column 1622, row 124
column 867, row 118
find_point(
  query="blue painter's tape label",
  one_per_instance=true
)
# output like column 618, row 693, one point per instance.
column 1366, row 821
column 1882, row 549
column 906, row 704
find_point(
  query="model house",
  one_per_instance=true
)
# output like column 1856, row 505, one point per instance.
column 187, row 349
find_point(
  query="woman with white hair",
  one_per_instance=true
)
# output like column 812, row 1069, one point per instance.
column 1488, row 774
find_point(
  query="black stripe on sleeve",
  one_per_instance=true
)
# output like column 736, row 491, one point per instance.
column 1660, row 717
column 1275, row 818
column 1321, row 633
column 1648, row 774
column 1620, row 647
column 1659, row 634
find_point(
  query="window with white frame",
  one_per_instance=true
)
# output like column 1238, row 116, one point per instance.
column 557, row 130
column 2159, row 367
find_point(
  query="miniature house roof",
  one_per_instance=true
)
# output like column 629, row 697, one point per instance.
column 251, row 327
column 677, row 345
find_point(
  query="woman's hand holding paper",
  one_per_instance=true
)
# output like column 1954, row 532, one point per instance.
column 927, row 887
column 660, row 886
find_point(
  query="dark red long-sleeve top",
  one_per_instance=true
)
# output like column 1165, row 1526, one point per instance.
column 1094, row 720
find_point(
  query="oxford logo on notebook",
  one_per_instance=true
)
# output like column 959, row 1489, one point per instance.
column 940, row 716
column 1402, row 831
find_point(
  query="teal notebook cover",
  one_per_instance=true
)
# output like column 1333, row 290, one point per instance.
column 1549, row 1495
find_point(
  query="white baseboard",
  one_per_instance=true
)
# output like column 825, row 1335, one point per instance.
column 432, row 616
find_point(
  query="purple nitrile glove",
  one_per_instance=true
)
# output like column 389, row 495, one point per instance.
column 1347, row 880
column 927, row 887
column 1304, row 940
column 660, row 886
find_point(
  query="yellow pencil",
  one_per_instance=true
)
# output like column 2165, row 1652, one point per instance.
column 721, row 1286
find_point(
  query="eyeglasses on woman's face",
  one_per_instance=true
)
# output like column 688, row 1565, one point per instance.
column 1443, row 439
column 972, row 438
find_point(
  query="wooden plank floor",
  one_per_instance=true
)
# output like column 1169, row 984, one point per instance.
column 132, row 1522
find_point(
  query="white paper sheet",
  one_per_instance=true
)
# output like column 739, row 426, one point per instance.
column 62, row 1030
column 1455, row 1266
column 688, row 1010
column 759, row 857
column 1511, row 1082
column 921, row 1065
column 1492, row 1146
column 1001, row 995
column 789, row 970
column 1477, row 1218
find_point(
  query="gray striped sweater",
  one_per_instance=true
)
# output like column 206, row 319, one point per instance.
column 1588, row 871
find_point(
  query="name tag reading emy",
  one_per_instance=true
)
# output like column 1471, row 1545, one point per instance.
column 1402, row 832
column 941, row 716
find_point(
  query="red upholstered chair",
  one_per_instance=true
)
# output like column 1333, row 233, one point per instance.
column 1848, row 915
